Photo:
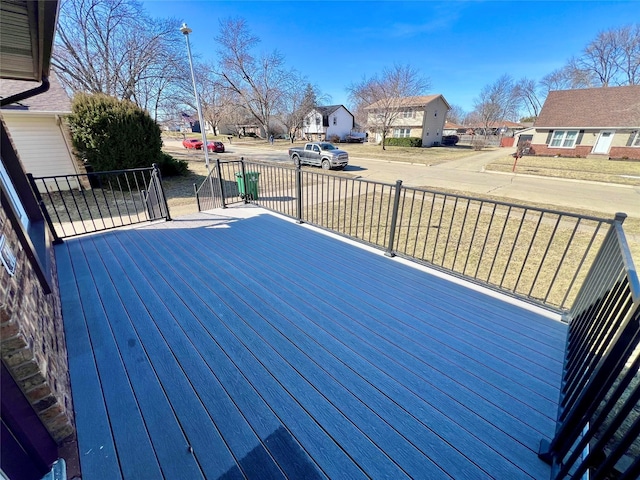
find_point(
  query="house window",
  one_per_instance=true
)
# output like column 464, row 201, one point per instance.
column 335, row 120
column 407, row 114
column 8, row 187
column 318, row 120
column 635, row 142
column 401, row 132
column 564, row 138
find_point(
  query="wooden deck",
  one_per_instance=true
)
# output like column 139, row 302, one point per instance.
column 214, row 347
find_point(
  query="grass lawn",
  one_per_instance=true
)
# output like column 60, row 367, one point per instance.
column 426, row 156
column 612, row 171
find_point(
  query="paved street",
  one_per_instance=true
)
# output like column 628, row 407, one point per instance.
column 468, row 175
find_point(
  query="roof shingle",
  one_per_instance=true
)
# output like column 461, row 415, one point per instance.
column 53, row 100
column 419, row 101
column 604, row 107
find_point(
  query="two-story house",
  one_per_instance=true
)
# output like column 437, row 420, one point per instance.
column 421, row 116
column 325, row 123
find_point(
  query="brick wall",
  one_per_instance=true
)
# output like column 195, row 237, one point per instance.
column 584, row 150
column 32, row 339
column 578, row 151
column 625, row 152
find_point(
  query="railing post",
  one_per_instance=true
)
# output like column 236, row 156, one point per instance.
column 195, row 191
column 158, row 180
column 620, row 217
column 244, row 181
column 298, row 190
column 221, row 182
column 394, row 219
column 56, row 239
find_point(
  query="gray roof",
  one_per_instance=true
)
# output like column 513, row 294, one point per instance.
column 329, row 109
column 55, row 100
column 604, row 107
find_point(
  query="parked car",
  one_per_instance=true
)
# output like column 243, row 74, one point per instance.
column 449, row 140
column 191, row 143
column 217, row 147
column 321, row 154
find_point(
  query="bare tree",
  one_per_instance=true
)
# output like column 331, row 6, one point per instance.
column 456, row 114
column 628, row 61
column 497, row 102
column 259, row 82
column 526, row 91
column 113, row 47
column 298, row 103
column 215, row 99
column 382, row 96
column 612, row 58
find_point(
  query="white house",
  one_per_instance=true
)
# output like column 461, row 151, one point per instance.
column 421, row 116
column 38, row 129
column 325, row 123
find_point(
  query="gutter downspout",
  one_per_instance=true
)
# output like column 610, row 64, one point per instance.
column 26, row 94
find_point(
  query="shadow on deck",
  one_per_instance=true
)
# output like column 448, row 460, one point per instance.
column 221, row 347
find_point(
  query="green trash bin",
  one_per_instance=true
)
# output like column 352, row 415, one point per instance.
column 251, row 190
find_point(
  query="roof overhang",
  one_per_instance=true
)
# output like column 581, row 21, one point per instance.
column 27, row 31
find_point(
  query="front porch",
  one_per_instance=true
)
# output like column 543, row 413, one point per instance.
column 236, row 344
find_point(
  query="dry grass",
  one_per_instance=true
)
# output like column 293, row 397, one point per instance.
column 424, row 156
column 541, row 255
column 612, row 171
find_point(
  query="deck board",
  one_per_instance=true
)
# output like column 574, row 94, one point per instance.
column 275, row 351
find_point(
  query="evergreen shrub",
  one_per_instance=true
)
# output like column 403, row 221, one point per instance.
column 113, row 134
column 403, row 142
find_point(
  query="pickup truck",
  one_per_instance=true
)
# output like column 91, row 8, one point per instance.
column 321, row 154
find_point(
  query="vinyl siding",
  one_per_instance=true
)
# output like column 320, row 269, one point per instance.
column 40, row 144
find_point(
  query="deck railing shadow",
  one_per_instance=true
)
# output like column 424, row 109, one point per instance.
column 577, row 265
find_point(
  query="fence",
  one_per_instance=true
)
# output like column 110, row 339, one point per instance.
column 78, row 204
column 541, row 255
column 599, row 423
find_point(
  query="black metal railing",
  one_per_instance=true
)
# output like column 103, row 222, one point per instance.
column 78, row 204
column 599, row 421
column 538, row 254
column 220, row 186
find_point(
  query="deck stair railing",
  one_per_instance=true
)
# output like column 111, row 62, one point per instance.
column 219, row 188
column 599, row 421
column 77, row 204
column 538, row 254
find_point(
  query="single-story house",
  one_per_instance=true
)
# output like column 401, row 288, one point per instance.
column 421, row 116
column 38, row 129
column 506, row 128
column 592, row 122
column 451, row 128
column 328, row 122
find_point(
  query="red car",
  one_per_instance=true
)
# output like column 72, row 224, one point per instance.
column 190, row 143
column 217, row 147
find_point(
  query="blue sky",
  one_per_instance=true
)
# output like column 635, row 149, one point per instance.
column 461, row 46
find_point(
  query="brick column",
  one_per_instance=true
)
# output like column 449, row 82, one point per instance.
column 32, row 344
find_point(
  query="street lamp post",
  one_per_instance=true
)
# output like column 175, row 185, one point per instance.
column 186, row 31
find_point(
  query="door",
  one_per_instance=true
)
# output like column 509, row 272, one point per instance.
column 603, row 143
